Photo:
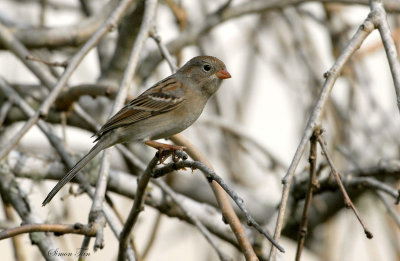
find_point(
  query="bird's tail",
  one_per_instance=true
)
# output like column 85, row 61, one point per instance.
column 100, row 145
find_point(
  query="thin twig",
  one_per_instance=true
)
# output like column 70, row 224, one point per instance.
column 388, row 42
column 19, row 248
column 56, row 143
column 347, row 200
column 57, row 229
column 179, row 12
column 122, row 183
column 56, row 64
column 163, row 50
column 374, row 184
column 73, row 93
column 85, row 246
column 389, row 208
column 212, row 176
column 43, row 126
column 73, row 63
column 11, row 191
column 41, row 72
column 203, row 230
column 153, row 235
column 225, row 206
column 237, row 130
column 196, row 30
column 349, row 179
column 121, row 219
column 136, row 208
column 96, row 215
column 5, row 108
column 13, row 44
column 227, row 210
column 363, row 31
column 312, row 183
column 57, row 36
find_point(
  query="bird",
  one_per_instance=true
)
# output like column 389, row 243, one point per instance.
column 166, row 108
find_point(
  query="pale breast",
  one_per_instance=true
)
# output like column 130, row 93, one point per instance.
column 163, row 125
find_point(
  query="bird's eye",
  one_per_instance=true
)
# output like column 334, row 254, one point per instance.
column 207, row 67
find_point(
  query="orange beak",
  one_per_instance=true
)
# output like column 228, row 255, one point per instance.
column 223, row 74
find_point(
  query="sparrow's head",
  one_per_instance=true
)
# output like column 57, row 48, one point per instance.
column 204, row 73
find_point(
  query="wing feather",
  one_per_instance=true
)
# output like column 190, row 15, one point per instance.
column 163, row 97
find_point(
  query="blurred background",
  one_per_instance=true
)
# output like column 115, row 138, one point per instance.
column 277, row 53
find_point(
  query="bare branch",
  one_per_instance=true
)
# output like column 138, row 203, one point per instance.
column 75, row 35
column 211, row 176
column 12, row 193
column 381, row 22
column 347, row 200
column 55, row 64
column 203, row 230
column 57, row 229
column 363, row 31
column 111, row 22
column 312, row 183
column 96, row 215
column 226, row 208
column 136, row 208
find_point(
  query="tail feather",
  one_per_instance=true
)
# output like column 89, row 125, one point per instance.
column 72, row 173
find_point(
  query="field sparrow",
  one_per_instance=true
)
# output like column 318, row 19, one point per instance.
column 166, row 108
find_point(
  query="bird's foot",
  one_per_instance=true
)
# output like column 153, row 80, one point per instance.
column 166, row 150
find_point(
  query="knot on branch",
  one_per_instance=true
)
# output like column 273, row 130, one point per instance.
column 94, row 215
column 42, row 114
column 303, row 232
column 374, row 19
column 78, row 226
column 368, row 234
column 327, row 74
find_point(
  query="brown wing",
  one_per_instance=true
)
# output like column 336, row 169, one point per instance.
column 161, row 98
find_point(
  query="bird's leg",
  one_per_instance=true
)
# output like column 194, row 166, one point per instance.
column 161, row 147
